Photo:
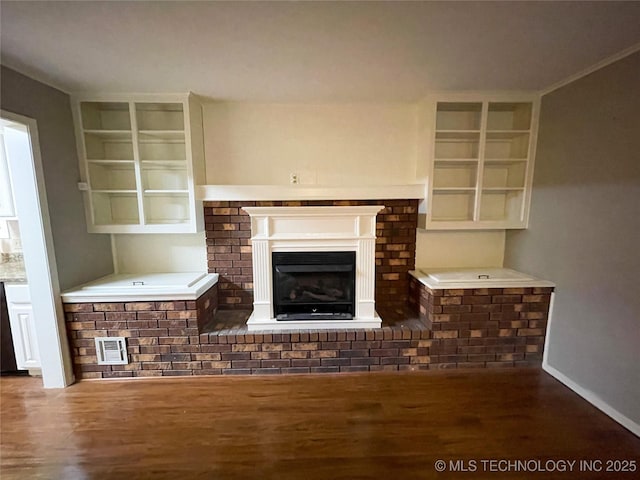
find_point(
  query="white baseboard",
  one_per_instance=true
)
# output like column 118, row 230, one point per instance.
column 593, row 399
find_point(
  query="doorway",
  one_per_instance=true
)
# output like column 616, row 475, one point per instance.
column 22, row 149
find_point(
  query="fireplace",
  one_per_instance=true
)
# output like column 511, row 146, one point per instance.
column 307, row 258
column 314, row 285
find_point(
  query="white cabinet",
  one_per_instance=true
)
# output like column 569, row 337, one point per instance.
column 23, row 329
column 141, row 157
column 481, row 164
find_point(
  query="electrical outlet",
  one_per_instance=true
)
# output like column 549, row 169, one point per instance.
column 294, row 178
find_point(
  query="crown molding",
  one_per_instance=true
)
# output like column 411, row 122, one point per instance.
column 593, row 68
column 34, row 74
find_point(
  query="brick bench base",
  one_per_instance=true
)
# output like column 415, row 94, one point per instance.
column 501, row 327
column 455, row 328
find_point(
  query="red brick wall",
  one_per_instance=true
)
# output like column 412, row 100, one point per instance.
column 160, row 335
column 228, row 231
column 484, row 326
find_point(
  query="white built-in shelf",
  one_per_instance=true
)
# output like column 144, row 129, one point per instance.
column 166, row 192
column 110, row 134
column 507, row 133
column 481, row 165
column 161, row 136
column 504, row 160
column 113, row 190
column 455, row 160
column 457, row 133
column 141, row 157
column 165, row 163
column 109, row 161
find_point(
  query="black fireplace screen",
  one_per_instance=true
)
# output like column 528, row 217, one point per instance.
column 314, row 285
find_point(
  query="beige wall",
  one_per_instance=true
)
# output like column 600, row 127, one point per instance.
column 460, row 249
column 161, row 253
column 341, row 144
column 584, row 232
column 80, row 256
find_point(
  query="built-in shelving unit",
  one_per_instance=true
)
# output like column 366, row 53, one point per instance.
column 141, row 157
column 481, row 165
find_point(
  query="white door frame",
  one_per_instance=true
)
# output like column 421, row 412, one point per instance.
column 25, row 167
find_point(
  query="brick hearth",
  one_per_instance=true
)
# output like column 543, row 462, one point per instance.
column 163, row 340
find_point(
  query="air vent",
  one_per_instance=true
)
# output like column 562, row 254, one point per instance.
column 111, row 351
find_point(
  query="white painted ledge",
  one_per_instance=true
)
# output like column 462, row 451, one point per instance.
column 308, row 192
column 255, row 324
column 142, row 287
column 487, row 277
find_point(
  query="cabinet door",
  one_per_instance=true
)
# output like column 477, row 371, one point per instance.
column 23, row 329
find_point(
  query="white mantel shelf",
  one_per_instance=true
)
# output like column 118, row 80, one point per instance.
column 309, row 192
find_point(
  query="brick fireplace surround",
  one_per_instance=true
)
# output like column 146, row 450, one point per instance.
column 228, row 230
column 451, row 328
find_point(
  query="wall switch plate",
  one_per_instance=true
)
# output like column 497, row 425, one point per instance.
column 83, row 186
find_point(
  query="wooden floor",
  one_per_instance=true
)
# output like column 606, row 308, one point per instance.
column 347, row 426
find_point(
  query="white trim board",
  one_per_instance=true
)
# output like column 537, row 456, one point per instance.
column 588, row 395
column 593, row 399
column 25, row 165
column 593, row 68
column 308, row 192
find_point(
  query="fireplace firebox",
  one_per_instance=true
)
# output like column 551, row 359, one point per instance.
column 314, row 285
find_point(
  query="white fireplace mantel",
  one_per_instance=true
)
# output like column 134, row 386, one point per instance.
column 309, row 192
column 313, row 229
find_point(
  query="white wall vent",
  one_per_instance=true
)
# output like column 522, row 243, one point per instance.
column 111, row 351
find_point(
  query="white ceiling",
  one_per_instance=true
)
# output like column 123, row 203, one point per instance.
column 311, row 51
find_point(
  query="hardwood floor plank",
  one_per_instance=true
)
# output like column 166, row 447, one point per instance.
column 303, row 427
